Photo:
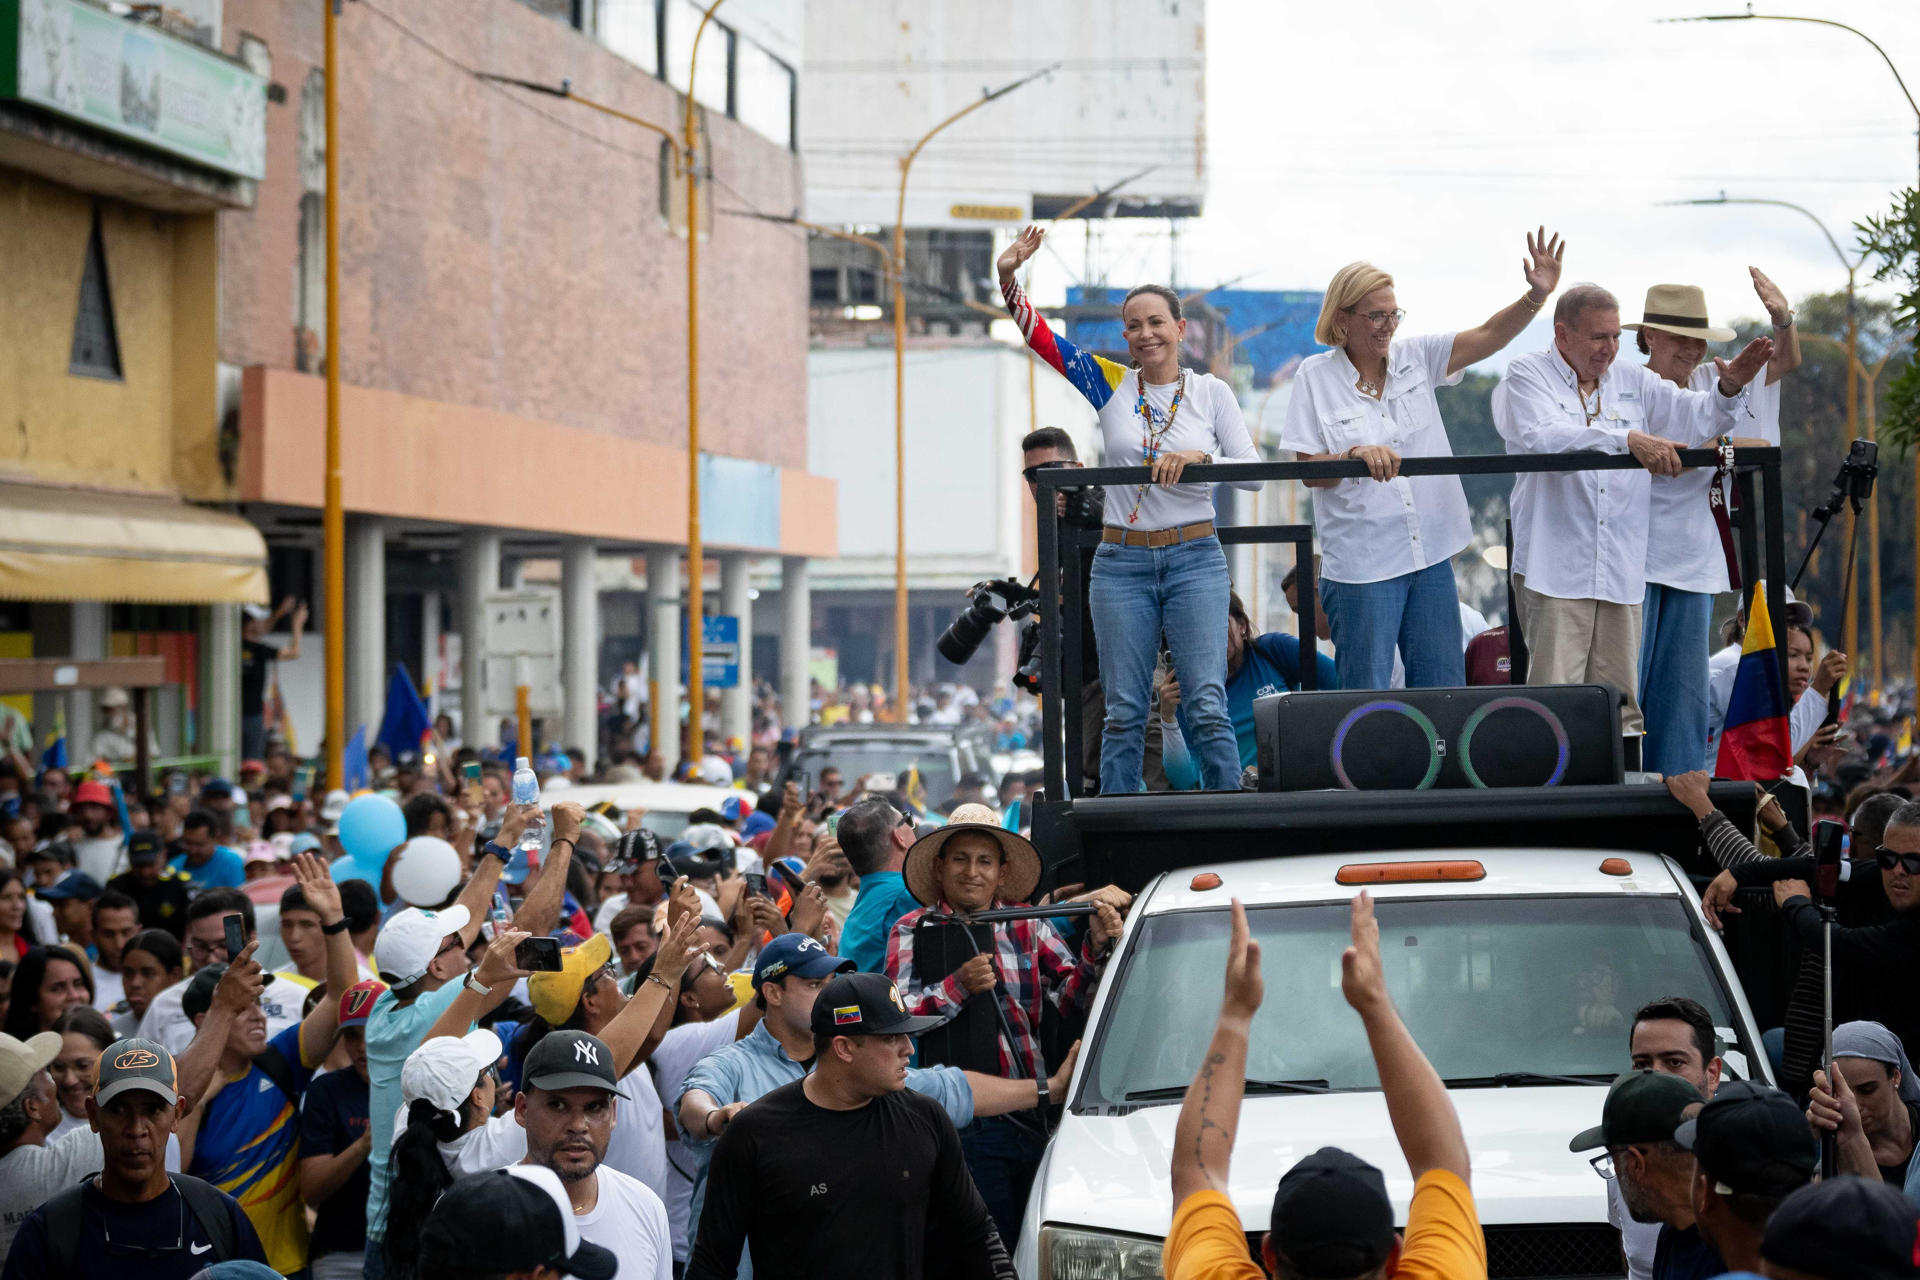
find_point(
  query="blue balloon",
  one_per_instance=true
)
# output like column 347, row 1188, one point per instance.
column 345, row 869
column 371, row 827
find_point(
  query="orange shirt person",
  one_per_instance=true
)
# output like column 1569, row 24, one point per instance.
column 1331, row 1218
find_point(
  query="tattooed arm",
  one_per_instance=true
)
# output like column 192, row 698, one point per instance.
column 1423, row 1117
column 1203, row 1140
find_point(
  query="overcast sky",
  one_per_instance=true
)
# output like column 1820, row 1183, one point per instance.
column 1429, row 138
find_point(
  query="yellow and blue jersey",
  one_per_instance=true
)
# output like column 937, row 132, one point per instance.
column 249, row 1147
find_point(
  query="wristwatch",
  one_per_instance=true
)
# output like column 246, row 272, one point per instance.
column 1043, row 1101
column 478, row 988
column 505, row 855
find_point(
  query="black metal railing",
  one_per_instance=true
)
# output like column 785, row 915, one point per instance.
column 1060, row 546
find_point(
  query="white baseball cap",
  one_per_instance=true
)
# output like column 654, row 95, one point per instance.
column 443, row 1070
column 411, row 939
column 331, row 809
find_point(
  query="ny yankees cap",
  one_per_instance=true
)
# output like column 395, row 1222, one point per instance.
column 135, row 1064
column 571, row 1060
column 865, row 1004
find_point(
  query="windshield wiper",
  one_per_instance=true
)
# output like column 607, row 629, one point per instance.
column 1252, row 1086
column 1508, row 1078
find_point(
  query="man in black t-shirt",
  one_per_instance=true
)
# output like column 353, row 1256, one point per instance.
column 255, row 657
column 846, row 1172
column 132, row 1218
column 335, row 1140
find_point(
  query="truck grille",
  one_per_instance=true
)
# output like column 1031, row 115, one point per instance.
column 1550, row 1251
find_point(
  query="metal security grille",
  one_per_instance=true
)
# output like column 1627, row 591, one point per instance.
column 1550, row 1251
column 96, row 343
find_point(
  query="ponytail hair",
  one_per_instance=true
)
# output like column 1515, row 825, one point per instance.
column 416, row 1178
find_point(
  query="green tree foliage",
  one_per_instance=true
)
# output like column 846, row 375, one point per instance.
column 1893, row 243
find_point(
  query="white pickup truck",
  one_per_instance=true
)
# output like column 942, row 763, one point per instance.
column 1517, row 971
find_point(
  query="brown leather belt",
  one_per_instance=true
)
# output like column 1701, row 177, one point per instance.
column 1157, row 537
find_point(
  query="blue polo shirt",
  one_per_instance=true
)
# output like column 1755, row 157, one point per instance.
column 226, row 869
column 883, row 900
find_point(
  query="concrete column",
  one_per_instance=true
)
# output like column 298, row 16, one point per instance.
column 89, row 641
column 663, row 651
column 425, row 667
column 366, row 624
column 580, row 647
column 796, row 641
column 223, row 682
column 736, row 704
column 479, row 578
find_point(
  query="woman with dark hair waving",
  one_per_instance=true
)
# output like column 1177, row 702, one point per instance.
column 1159, row 570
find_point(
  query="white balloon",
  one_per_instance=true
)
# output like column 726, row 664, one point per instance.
column 426, row 871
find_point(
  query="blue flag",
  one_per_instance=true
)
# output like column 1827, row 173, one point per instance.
column 356, row 771
column 406, row 721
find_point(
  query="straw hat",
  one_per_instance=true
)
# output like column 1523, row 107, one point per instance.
column 1681, row 309
column 1017, row 882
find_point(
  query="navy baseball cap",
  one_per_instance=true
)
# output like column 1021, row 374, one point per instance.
column 74, row 884
column 1861, row 1228
column 216, row 789
column 797, row 955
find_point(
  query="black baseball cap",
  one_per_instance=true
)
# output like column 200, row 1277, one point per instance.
column 1859, row 1228
column 865, row 1004
column 198, row 997
column 512, row 1219
column 144, row 847
column 634, row 850
column 571, row 1060
column 1331, row 1216
column 1750, row 1138
column 1641, row 1106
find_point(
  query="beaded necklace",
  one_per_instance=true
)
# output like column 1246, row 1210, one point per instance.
column 1150, row 435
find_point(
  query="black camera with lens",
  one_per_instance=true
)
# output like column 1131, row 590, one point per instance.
column 1854, row 483
column 987, row 604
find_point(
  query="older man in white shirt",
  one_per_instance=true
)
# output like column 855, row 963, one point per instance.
column 1580, row 537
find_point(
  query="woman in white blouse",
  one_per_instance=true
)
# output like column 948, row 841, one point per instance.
column 1387, row 541
column 1159, row 571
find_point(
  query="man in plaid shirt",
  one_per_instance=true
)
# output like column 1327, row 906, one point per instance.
column 972, row 864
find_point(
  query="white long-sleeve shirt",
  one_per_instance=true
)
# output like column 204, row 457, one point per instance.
column 1209, row 421
column 1582, row 535
column 1369, row 531
column 1683, row 541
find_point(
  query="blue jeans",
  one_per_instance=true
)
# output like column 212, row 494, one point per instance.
column 1418, row 613
column 1003, row 1153
column 1136, row 594
column 376, row 1265
column 1673, row 679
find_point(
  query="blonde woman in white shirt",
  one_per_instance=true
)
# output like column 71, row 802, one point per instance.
column 1387, row 541
column 1159, row 570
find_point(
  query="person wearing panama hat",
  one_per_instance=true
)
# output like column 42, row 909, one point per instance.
column 1690, row 556
column 970, row 865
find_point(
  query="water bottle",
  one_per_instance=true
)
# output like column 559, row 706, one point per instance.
column 526, row 790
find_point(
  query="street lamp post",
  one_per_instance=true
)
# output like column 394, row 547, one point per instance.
column 902, row 698
column 1850, row 626
column 333, row 514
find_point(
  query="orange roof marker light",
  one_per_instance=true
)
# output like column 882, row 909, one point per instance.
column 1616, row 867
column 1205, row 880
column 1409, row 872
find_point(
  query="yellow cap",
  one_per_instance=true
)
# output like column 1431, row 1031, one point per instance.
column 557, row 994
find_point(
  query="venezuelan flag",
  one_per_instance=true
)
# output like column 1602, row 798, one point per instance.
column 1756, row 746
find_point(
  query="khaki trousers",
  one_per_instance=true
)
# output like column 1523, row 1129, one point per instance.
column 1582, row 642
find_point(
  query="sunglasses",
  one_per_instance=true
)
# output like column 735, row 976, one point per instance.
column 1038, row 467
column 1890, row 858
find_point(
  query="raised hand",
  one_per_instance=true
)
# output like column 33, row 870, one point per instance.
column 1024, row 246
column 240, row 986
column 1541, row 266
column 322, row 894
column 1741, row 370
column 497, row 964
column 567, row 817
column 1363, row 980
column 1245, row 988
column 683, row 903
column 1778, row 309
column 514, row 823
column 678, row 949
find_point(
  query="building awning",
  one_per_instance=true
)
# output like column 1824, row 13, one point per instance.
column 66, row 544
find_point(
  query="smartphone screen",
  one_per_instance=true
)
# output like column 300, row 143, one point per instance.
column 540, row 955
column 757, row 885
column 236, row 928
column 476, row 794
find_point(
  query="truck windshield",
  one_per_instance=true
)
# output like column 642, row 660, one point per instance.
column 1488, row 986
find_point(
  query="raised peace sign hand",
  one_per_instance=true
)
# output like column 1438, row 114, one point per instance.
column 1542, row 267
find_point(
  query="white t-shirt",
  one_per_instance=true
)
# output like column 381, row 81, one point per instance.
column 673, row 1062
column 603, row 918
column 629, row 1220
column 1638, row 1240
column 637, row 1147
column 109, row 989
column 99, row 857
column 166, row 1022
column 29, row 1176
